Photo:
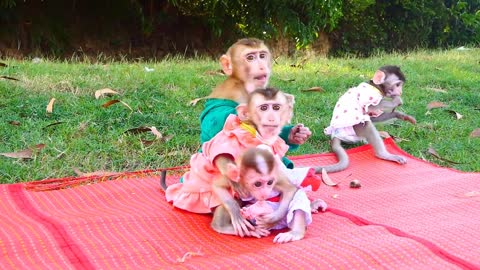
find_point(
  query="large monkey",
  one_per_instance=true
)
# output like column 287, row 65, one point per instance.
column 206, row 188
column 355, row 111
column 258, row 171
column 247, row 64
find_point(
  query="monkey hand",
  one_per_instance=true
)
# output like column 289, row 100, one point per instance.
column 318, row 205
column 408, row 118
column 241, row 226
column 299, row 134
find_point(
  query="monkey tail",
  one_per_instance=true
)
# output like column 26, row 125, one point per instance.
column 343, row 160
column 163, row 180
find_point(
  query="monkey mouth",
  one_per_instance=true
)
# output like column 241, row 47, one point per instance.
column 270, row 129
column 261, row 79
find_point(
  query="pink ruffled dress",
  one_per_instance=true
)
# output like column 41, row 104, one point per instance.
column 352, row 109
column 195, row 194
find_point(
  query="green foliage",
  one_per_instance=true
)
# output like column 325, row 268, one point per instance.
column 300, row 20
column 384, row 25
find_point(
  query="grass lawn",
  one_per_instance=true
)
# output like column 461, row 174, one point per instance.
column 81, row 134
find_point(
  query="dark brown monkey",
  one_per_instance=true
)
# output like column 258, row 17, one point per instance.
column 372, row 101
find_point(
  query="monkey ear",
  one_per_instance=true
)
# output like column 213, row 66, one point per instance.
column 242, row 111
column 290, row 99
column 226, row 64
column 379, row 77
column 233, row 173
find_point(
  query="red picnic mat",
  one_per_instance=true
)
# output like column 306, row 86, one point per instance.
column 415, row 216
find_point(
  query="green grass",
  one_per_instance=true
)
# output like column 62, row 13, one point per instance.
column 92, row 138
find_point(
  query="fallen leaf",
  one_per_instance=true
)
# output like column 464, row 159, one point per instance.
column 50, row 105
column 53, row 124
column 475, row 133
column 8, row 78
column 434, row 153
column 156, row 133
column 24, row 154
column 194, row 102
column 440, row 90
column 457, row 115
column 110, row 103
column 3, row 64
column 104, row 91
column 215, row 72
column 126, row 105
column 14, row 123
column 326, row 179
column 138, row 130
column 435, row 105
column 313, row 89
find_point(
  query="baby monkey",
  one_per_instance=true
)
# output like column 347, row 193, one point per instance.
column 373, row 101
column 258, row 172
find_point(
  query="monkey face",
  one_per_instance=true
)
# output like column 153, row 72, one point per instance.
column 260, row 185
column 253, row 67
column 392, row 86
column 269, row 116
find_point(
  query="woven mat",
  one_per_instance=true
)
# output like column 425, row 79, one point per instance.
column 416, row 216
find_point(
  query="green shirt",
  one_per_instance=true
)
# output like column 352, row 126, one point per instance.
column 216, row 112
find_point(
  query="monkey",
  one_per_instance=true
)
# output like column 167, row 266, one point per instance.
column 248, row 66
column 206, row 188
column 360, row 107
column 258, row 171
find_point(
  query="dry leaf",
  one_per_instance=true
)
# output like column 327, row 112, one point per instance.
column 156, row 133
column 457, row 115
column 3, row 64
column 110, row 102
column 435, row 105
column 8, row 78
column 50, row 105
column 104, row 92
column 24, row 154
column 440, row 90
column 53, row 124
column 434, row 153
column 287, row 80
column 138, row 130
column 475, row 133
column 326, row 179
column 313, row 89
column 215, row 72
column 126, row 105
column 14, row 123
column 194, row 102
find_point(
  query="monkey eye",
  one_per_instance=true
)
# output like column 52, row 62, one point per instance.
column 270, row 182
column 250, row 57
column 257, row 184
column 276, row 107
column 263, row 55
column 263, row 107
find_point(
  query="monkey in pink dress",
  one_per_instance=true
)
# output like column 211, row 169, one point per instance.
column 195, row 194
